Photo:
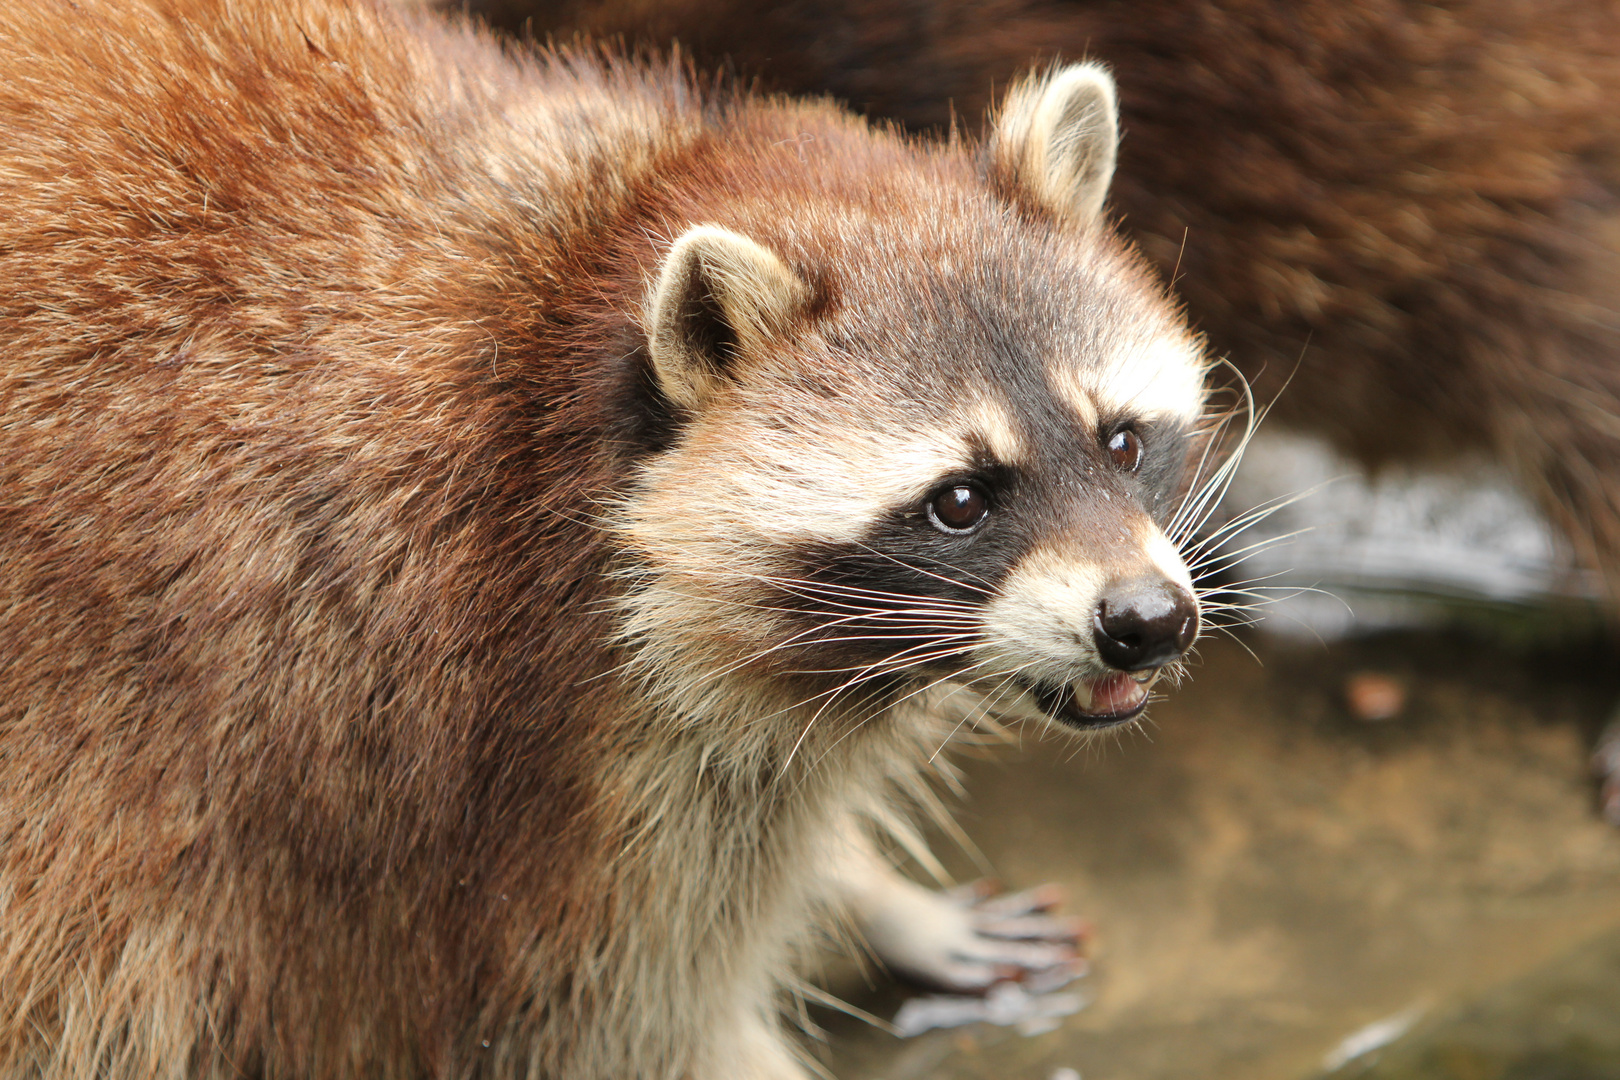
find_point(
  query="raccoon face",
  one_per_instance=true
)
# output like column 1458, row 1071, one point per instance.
column 958, row 463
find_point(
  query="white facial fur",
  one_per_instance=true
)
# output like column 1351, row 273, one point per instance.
column 1159, row 378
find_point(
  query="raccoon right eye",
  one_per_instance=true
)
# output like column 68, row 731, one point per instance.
column 1125, row 449
column 958, row 509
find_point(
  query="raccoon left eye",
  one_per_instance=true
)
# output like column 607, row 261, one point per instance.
column 958, row 509
column 1125, row 449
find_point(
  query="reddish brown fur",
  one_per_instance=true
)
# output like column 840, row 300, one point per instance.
column 1418, row 203
column 251, row 414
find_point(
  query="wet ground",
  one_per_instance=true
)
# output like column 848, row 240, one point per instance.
column 1269, row 875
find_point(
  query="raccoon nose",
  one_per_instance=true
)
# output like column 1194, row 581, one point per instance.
column 1144, row 623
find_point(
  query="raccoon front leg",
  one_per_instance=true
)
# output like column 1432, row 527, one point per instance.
column 962, row 940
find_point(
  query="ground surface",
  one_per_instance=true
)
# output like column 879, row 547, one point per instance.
column 1268, row 875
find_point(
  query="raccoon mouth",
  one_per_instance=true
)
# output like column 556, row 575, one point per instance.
column 1103, row 702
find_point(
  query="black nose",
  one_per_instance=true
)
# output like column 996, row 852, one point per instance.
column 1144, row 623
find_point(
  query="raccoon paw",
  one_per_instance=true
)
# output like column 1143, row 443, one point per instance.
column 966, row 940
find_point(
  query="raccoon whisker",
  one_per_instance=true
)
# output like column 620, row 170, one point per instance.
column 1235, row 586
column 1195, row 487
column 982, row 707
column 888, row 705
column 992, row 698
column 862, row 603
column 893, row 602
column 1204, row 502
column 806, row 638
column 1265, row 594
column 853, row 591
column 1301, row 623
column 1274, row 593
column 1198, row 491
column 1215, row 600
column 1211, row 550
column 1236, row 614
column 930, row 626
column 889, row 665
column 924, row 641
column 920, row 625
column 817, row 590
column 1284, row 592
column 1242, row 522
column 1253, row 516
column 916, row 660
column 989, row 586
column 1223, row 559
column 878, row 611
column 1176, row 672
column 845, row 587
column 1196, row 510
column 1243, row 614
column 1228, row 632
column 1241, row 610
column 914, row 657
column 753, row 605
column 1211, row 499
column 850, row 590
column 888, row 616
column 1207, row 582
column 919, row 606
column 898, row 625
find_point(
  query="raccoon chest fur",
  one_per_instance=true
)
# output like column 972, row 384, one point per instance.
column 480, row 531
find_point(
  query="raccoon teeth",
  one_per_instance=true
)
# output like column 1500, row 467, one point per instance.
column 1114, row 694
column 1147, row 678
column 1095, row 703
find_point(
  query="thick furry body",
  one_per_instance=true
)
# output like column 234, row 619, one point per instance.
column 1415, row 205
column 389, row 685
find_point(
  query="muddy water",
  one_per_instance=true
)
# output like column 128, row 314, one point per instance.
column 1268, row 875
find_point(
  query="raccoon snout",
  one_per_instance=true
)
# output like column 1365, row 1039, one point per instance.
column 1144, row 623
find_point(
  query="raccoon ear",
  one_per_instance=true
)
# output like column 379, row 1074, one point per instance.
column 718, row 294
column 1057, row 138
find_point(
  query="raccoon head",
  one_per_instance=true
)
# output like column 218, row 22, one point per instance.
column 938, row 441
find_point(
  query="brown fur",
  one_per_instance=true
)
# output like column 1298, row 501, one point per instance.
column 253, row 412
column 1416, row 203
column 322, row 365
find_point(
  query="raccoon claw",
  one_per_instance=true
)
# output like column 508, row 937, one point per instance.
column 967, row 940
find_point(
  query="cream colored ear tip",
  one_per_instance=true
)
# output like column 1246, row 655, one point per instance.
column 712, row 278
column 698, row 245
column 735, row 257
column 702, row 236
column 1088, row 79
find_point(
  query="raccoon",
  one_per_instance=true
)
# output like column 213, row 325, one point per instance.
column 487, row 536
column 1407, row 213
